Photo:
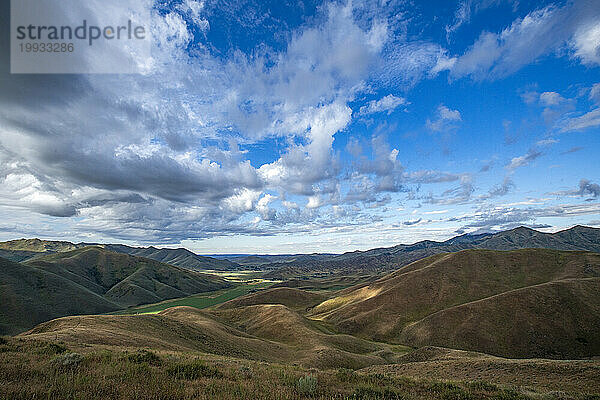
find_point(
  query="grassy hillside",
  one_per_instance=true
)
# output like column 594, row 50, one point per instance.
column 29, row 295
column 89, row 280
column 179, row 328
column 313, row 343
column 125, row 279
column 292, row 298
column 17, row 255
column 392, row 307
column 560, row 377
column 179, row 257
column 268, row 333
column 38, row 246
column 23, row 249
column 558, row 319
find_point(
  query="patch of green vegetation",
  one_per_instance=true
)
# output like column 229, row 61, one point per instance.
column 193, row 370
column 53, row 348
column 451, row 391
column 307, row 385
column 144, row 356
column 346, row 375
column 200, row 301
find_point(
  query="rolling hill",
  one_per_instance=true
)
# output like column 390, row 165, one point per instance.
column 388, row 259
column 90, row 280
column 179, row 257
column 17, row 255
column 31, row 295
column 39, row 246
column 520, row 303
column 24, row 249
column 295, row 299
column 266, row 333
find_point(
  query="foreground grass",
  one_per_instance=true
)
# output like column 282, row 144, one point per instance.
column 38, row 370
column 203, row 300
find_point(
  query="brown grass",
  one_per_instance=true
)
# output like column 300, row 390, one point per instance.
column 426, row 288
column 271, row 333
column 573, row 376
column 29, row 371
column 559, row 319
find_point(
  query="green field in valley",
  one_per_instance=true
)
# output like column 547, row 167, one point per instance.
column 202, row 300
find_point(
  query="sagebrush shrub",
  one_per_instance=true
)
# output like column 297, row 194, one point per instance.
column 68, row 361
column 307, row 385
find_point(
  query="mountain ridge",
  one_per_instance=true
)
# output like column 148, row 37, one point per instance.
column 24, row 249
column 391, row 258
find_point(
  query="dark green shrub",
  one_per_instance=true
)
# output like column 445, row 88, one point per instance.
column 450, row 391
column 456, row 394
column 144, row 356
column 443, row 386
column 346, row 375
column 54, row 348
column 193, row 370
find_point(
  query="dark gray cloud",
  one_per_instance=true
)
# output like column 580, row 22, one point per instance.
column 572, row 150
column 499, row 190
column 413, row 222
column 585, row 188
column 524, row 160
column 458, row 195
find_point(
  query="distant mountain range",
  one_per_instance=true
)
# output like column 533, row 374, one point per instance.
column 88, row 280
column 287, row 266
column 391, row 258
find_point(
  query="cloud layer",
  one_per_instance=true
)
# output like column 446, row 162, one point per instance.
column 292, row 131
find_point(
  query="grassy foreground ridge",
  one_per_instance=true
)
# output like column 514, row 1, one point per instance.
column 35, row 369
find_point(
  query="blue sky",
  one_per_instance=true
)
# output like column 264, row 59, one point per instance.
column 284, row 127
